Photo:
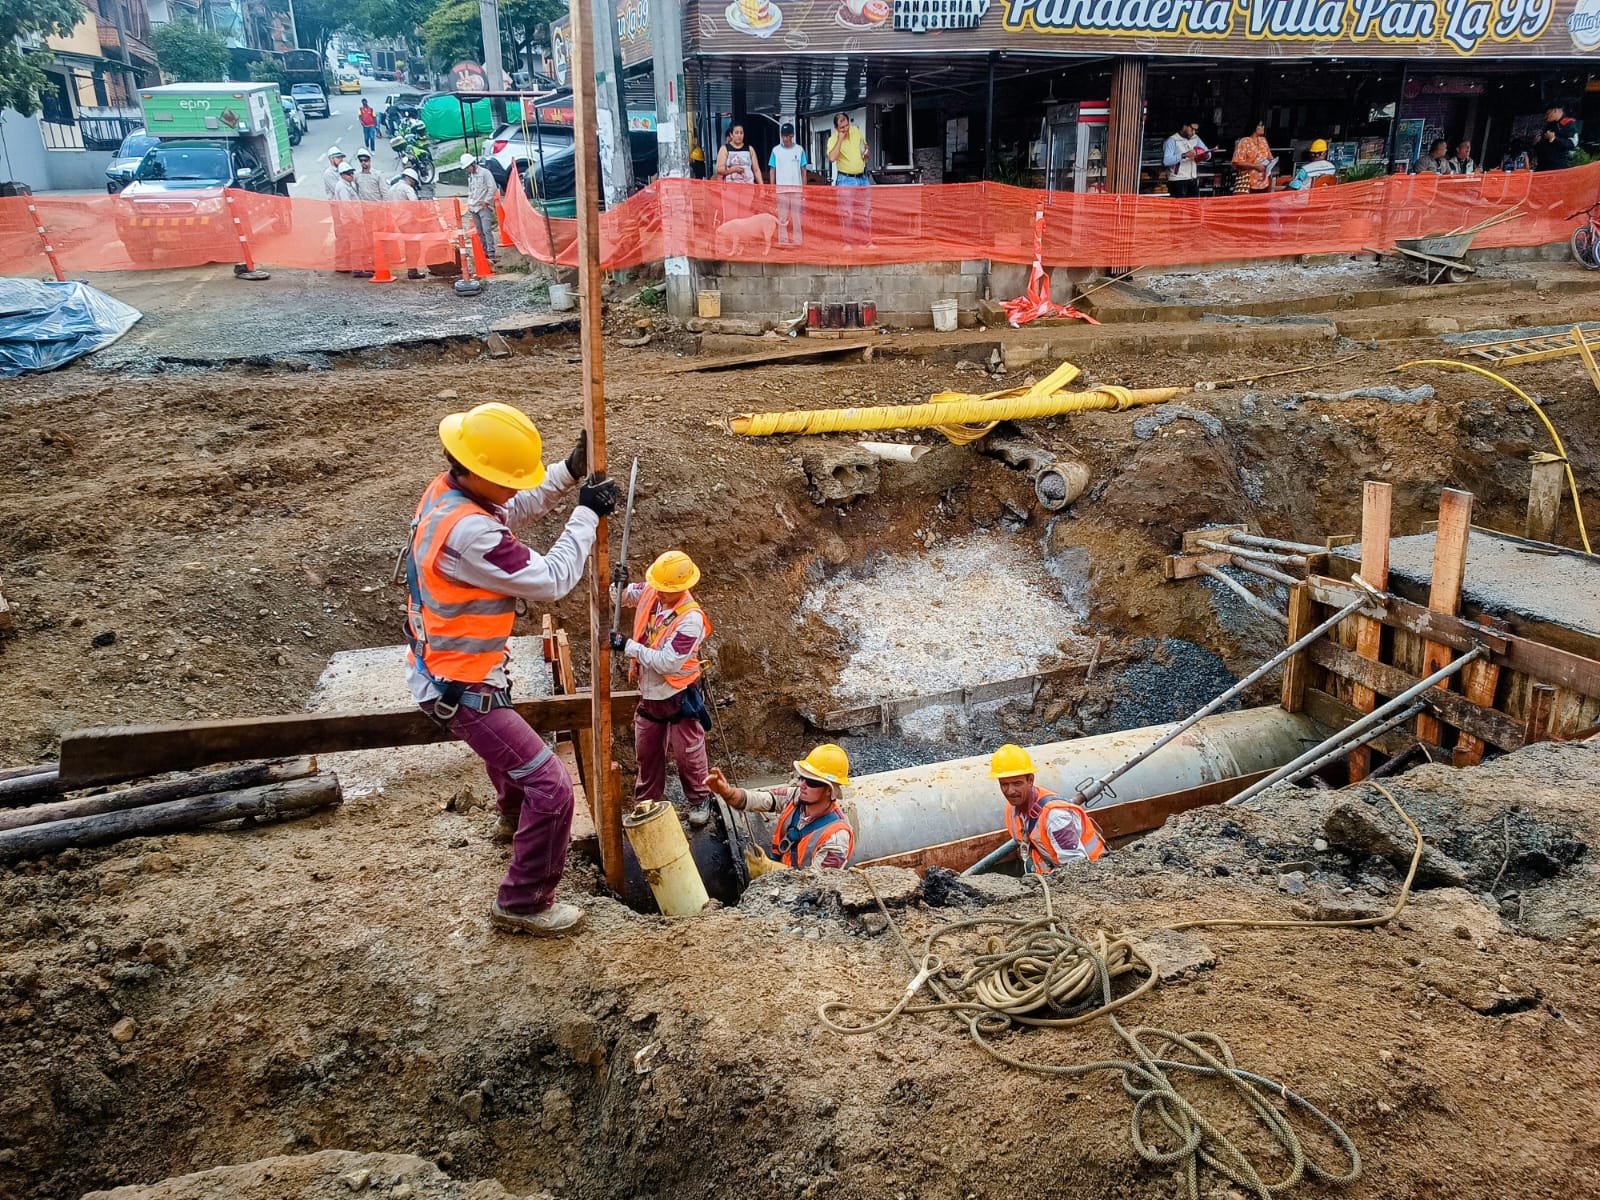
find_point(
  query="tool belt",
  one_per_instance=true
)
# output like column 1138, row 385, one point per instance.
column 691, row 707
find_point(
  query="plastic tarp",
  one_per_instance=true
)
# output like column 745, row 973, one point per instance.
column 46, row 325
column 443, row 116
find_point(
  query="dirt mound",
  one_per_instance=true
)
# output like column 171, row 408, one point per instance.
column 327, row 1175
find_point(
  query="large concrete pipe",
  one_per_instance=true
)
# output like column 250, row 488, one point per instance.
column 895, row 812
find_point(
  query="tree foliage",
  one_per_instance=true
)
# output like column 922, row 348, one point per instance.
column 190, row 54
column 452, row 31
column 317, row 20
column 22, row 71
column 269, row 70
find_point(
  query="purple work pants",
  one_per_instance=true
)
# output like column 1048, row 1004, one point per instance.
column 653, row 738
column 533, row 789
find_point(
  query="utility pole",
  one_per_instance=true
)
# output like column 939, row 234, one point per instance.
column 672, row 143
column 601, row 782
column 611, row 107
column 489, row 19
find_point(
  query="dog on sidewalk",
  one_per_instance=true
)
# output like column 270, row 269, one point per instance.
column 731, row 235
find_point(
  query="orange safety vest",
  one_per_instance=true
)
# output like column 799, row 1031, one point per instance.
column 793, row 843
column 648, row 631
column 1038, row 853
column 457, row 631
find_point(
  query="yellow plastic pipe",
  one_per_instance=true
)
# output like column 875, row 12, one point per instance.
column 937, row 413
column 663, row 853
column 1572, row 482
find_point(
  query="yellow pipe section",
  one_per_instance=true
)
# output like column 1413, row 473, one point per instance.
column 937, row 414
column 1572, row 482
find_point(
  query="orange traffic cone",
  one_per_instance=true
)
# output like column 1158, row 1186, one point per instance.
column 380, row 261
column 480, row 261
column 500, row 225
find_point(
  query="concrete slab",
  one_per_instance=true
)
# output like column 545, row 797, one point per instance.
column 1128, row 302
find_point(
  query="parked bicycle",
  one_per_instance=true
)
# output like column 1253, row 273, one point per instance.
column 1586, row 239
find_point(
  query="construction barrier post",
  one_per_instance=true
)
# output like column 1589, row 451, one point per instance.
column 44, row 238
column 249, row 271
column 380, row 259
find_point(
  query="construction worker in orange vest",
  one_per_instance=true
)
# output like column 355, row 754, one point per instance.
column 812, row 830
column 1048, row 830
column 465, row 574
column 669, row 627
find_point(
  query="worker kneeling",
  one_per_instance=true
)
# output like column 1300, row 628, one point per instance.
column 465, row 574
column 812, row 830
column 1048, row 830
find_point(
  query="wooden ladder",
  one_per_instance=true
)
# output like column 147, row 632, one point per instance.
column 1535, row 349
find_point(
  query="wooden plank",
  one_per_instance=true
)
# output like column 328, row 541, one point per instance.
column 1332, row 713
column 1216, row 533
column 1115, row 821
column 1541, row 703
column 1544, row 497
column 583, row 808
column 111, row 755
column 1377, row 501
column 1187, row 566
column 860, row 715
column 1493, row 727
column 730, row 361
column 566, row 679
column 1548, row 664
column 1481, row 678
column 1301, row 622
column 1444, row 590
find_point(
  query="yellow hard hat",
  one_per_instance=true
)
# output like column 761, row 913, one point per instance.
column 1319, row 147
column 697, row 155
column 674, row 571
column 827, row 762
column 1010, row 761
column 497, row 442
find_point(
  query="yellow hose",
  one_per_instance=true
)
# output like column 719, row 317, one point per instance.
column 1561, row 451
column 937, row 414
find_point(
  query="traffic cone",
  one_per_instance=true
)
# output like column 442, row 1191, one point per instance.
column 500, row 226
column 480, row 261
column 380, row 261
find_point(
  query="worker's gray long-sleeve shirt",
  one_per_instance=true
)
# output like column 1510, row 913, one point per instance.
column 482, row 551
column 481, row 190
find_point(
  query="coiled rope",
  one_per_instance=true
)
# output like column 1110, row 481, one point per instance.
column 1036, row 972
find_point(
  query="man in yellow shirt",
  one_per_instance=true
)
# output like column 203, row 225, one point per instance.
column 848, row 151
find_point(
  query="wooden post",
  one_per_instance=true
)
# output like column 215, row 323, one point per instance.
column 1541, row 703
column 1444, row 593
column 607, row 802
column 1376, row 508
column 1544, row 497
column 1301, row 622
column 1482, row 677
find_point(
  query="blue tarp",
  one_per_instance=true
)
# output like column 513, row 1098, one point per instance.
column 46, row 325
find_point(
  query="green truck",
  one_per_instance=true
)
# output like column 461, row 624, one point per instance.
column 212, row 136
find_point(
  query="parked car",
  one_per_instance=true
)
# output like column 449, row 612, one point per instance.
column 120, row 173
column 313, row 101
column 296, row 118
column 553, row 177
column 349, row 82
column 175, row 198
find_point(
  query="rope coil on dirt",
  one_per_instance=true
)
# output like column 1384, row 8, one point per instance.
column 1035, row 972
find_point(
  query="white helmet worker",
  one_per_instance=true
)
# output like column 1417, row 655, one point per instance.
column 408, row 173
column 467, row 160
column 335, row 152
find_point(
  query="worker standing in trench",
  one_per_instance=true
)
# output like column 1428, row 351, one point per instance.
column 669, row 627
column 1048, row 830
column 465, row 574
column 812, row 829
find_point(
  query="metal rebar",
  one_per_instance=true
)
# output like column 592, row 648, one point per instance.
column 993, row 859
column 1087, row 794
column 1351, row 732
column 1264, row 556
column 1267, row 543
column 1344, row 748
column 1245, row 594
column 1255, row 568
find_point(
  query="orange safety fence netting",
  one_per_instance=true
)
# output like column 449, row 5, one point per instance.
column 828, row 226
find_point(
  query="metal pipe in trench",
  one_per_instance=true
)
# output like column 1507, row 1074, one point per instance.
column 895, row 812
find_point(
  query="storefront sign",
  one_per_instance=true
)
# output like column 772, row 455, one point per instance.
column 633, row 38
column 1225, row 28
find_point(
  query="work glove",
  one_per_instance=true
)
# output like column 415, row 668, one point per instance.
column 599, row 495
column 578, row 460
column 619, row 644
column 619, row 575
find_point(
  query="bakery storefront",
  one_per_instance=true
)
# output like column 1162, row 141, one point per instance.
column 1080, row 94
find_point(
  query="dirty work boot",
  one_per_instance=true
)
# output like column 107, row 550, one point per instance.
column 559, row 920
column 699, row 814
column 505, row 829
column 414, row 273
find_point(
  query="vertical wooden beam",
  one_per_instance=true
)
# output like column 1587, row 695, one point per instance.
column 1125, row 127
column 1544, row 497
column 608, row 814
column 1444, row 593
column 1541, row 703
column 1377, row 500
column 1301, row 621
column 1482, row 677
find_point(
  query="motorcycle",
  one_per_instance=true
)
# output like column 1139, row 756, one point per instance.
column 411, row 144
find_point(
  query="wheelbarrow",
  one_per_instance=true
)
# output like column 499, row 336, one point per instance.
column 1435, row 259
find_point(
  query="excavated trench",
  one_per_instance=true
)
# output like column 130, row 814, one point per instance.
column 329, row 984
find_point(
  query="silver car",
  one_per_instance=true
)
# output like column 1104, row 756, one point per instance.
column 120, row 173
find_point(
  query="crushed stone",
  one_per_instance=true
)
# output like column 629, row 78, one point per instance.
column 1144, row 428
